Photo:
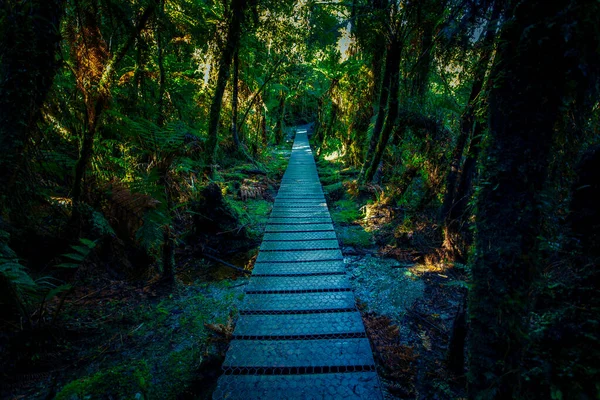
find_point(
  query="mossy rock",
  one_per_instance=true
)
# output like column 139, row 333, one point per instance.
column 125, row 381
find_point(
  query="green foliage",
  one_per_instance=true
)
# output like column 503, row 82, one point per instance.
column 151, row 233
column 17, row 287
column 100, row 226
column 126, row 381
column 345, row 212
column 23, row 294
column 355, row 236
column 79, row 254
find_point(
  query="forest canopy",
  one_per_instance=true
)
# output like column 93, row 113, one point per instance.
column 138, row 135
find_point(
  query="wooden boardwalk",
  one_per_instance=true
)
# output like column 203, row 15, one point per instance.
column 299, row 335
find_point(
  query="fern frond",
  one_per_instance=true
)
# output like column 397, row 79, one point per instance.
column 79, row 256
column 150, row 235
column 16, row 274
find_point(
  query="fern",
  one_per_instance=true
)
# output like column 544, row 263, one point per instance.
column 30, row 296
column 17, row 276
column 150, row 137
column 16, row 285
column 79, row 255
column 151, row 235
column 101, row 226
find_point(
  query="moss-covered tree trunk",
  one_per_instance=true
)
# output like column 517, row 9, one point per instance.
column 280, row 119
column 537, row 66
column 451, row 214
column 381, row 110
column 427, row 14
column 393, row 72
column 234, row 101
column 232, row 41
column 162, row 74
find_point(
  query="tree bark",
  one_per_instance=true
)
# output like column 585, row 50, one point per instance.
column 427, row 12
column 160, row 102
column 450, row 212
column 98, row 104
column 280, row 119
column 231, row 45
column 381, row 111
column 28, row 46
column 532, row 78
column 234, row 101
column 262, row 109
column 393, row 73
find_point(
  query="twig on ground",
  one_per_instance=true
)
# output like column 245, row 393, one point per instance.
column 225, row 263
column 423, row 319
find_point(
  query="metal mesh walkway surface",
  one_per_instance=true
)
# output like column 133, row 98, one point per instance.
column 299, row 335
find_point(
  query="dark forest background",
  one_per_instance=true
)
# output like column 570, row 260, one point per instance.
column 126, row 127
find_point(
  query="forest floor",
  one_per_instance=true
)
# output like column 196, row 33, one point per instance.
column 142, row 339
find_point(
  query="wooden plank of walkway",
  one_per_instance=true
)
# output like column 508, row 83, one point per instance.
column 299, row 335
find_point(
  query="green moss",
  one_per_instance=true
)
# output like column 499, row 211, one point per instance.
column 125, row 381
column 329, row 173
column 179, row 371
column 355, row 236
column 260, row 208
column 345, row 212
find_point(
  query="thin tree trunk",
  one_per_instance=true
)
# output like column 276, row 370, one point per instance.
column 329, row 128
column 234, row 101
column 280, row 121
column 96, row 110
column 378, row 54
column 257, row 95
column 381, row 111
column 393, row 64
column 168, row 246
column 263, row 122
column 232, row 42
column 423, row 63
column 160, row 102
column 468, row 116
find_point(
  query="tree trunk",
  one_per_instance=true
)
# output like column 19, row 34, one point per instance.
column 329, row 128
column 381, row 111
column 316, row 136
column 231, row 45
column 456, row 348
column 263, row 123
column 96, row 106
column 234, row 102
column 451, row 214
column 376, row 62
column 393, row 73
column 280, row 119
column 425, row 25
column 30, row 40
column 168, row 246
column 162, row 73
column 533, row 74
